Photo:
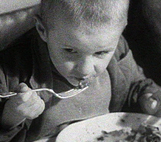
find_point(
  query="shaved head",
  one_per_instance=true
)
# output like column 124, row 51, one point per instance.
column 86, row 11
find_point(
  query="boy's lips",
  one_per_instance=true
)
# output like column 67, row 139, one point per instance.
column 81, row 78
column 81, row 82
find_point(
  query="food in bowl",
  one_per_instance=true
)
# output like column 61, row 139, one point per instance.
column 98, row 128
column 145, row 133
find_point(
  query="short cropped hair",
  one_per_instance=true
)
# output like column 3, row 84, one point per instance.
column 90, row 11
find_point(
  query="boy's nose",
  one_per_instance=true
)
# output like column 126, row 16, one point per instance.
column 85, row 67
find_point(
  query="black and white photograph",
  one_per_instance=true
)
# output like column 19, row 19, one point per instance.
column 80, row 70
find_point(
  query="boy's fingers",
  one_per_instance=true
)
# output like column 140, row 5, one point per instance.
column 22, row 87
column 24, row 92
column 148, row 95
column 153, row 103
column 149, row 103
column 37, row 108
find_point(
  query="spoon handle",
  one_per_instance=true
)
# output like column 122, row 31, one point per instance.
column 10, row 94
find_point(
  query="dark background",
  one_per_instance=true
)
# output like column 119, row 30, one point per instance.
column 143, row 34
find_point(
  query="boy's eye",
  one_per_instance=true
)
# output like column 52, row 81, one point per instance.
column 70, row 50
column 101, row 53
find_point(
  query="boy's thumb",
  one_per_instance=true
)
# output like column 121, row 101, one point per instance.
column 22, row 87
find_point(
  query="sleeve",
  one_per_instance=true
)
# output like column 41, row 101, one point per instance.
column 138, row 83
column 17, row 133
column 127, row 64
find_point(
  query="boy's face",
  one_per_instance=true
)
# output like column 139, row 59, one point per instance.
column 78, row 52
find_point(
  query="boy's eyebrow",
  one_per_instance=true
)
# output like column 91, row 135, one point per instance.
column 69, row 46
column 106, row 48
column 109, row 49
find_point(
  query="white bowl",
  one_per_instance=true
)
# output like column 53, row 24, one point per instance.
column 87, row 130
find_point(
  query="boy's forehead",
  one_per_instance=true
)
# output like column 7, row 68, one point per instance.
column 64, row 14
column 61, row 23
column 62, row 19
column 83, row 35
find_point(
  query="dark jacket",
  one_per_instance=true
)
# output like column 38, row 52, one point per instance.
column 27, row 60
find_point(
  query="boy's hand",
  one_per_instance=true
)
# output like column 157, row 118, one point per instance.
column 26, row 103
column 149, row 104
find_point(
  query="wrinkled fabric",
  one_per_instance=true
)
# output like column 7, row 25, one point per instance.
column 27, row 60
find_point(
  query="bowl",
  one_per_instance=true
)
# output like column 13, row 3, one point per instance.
column 88, row 130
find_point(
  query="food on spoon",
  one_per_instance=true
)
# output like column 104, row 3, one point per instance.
column 83, row 84
column 145, row 133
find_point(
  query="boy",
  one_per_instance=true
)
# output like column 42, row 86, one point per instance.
column 78, row 41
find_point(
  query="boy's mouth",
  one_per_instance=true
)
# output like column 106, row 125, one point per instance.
column 83, row 83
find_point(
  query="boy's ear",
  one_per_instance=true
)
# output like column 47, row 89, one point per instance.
column 41, row 28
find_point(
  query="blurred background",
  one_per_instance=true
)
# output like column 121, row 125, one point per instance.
column 143, row 34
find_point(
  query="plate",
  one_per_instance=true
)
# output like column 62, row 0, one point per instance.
column 88, row 130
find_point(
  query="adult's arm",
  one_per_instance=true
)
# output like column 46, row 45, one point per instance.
column 14, row 24
column 9, row 6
